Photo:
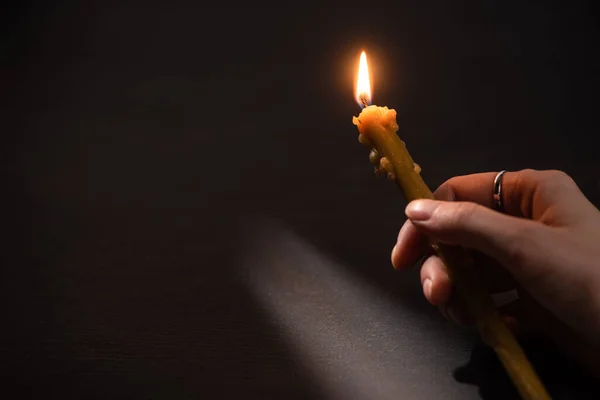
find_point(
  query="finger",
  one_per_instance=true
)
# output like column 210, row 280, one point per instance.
column 436, row 283
column 438, row 290
column 519, row 190
column 410, row 246
column 456, row 311
column 476, row 188
column 510, row 240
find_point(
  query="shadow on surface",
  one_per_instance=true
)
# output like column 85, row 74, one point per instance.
column 356, row 340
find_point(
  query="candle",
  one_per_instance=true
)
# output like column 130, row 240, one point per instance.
column 377, row 131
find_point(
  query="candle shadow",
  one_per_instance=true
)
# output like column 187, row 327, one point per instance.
column 562, row 378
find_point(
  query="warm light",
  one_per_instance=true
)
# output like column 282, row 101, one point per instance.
column 363, row 84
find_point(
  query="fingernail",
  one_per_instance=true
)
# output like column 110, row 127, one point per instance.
column 427, row 284
column 394, row 250
column 420, row 210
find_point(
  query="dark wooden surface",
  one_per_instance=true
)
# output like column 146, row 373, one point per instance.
column 189, row 214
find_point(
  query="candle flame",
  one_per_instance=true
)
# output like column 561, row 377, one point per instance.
column 363, row 84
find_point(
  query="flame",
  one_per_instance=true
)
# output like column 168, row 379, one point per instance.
column 363, row 84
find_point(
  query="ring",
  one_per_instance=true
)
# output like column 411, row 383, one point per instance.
column 498, row 204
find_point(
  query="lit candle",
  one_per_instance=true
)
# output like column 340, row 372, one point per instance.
column 377, row 130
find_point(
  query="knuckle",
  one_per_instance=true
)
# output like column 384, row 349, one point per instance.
column 525, row 178
column 545, row 177
column 527, row 175
column 553, row 181
column 529, row 171
column 560, row 177
column 557, row 174
column 545, row 183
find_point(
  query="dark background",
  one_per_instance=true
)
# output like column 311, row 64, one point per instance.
column 159, row 155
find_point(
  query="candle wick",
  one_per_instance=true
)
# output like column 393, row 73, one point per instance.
column 364, row 101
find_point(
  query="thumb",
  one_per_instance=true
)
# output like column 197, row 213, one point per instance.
column 510, row 240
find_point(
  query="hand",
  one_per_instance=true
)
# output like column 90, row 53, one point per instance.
column 546, row 246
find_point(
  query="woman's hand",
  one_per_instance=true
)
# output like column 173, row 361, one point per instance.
column 546, row 246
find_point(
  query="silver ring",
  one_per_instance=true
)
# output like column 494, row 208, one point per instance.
column 498, row 203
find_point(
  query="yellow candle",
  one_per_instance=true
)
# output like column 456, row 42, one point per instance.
column 377, row 127
column 377, row 130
